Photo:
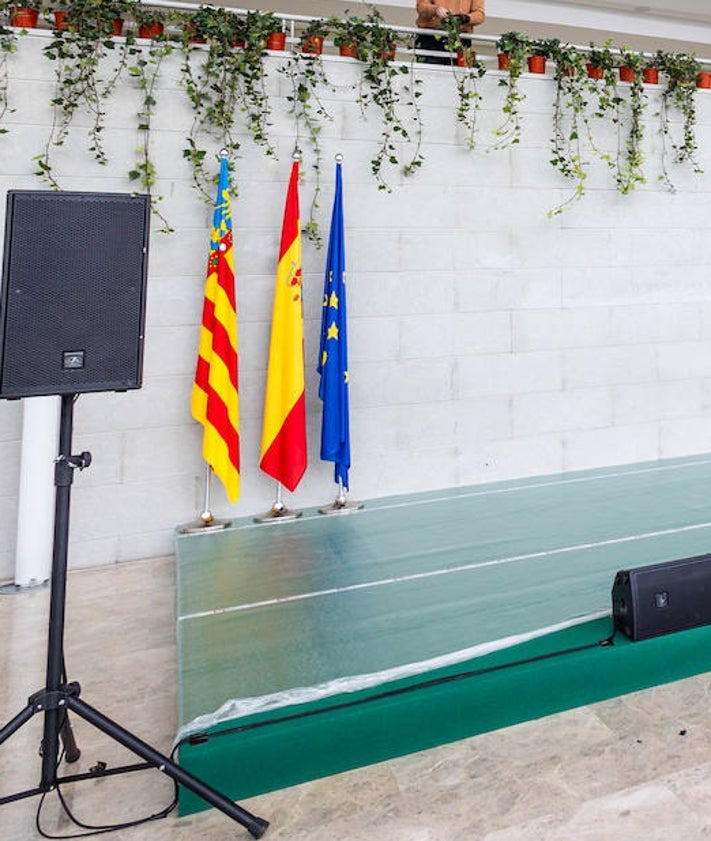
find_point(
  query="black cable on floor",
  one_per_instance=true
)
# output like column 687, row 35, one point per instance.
column 100, row 829
column 200, row 738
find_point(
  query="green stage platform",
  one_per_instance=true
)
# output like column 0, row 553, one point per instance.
column 310, row 647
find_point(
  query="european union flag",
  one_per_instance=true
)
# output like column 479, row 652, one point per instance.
column 333, row 356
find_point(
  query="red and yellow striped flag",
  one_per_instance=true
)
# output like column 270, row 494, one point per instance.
column 215, row 401
column 284, row 428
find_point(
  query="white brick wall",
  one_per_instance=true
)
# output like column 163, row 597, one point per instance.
column 487, row 341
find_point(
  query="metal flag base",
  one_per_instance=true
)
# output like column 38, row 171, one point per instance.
column 206, row 522
column 341, row 504
column 278, row 512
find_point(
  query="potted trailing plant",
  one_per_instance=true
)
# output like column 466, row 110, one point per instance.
column 150, row 22
column 630, row 65
column 541, row 51
column 601, row 62
column 348, row 33
column 313, row 35
column 93, row 19
column 467, row 73
column 378, row 88
column 265, row 31
column 679, row 93
column 212, row 80
column 455, row 45
column 255, row 29
column 25, row 15
column 514, row 48
column 650, row 73
column 306, row 75
column 210, row 24
column 570, row 121
column 629, row 163
column 78, row 51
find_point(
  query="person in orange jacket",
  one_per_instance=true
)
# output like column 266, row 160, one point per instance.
column 430, row 14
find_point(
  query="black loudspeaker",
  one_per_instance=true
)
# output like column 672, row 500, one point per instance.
column 662, row 598
column 73, row 292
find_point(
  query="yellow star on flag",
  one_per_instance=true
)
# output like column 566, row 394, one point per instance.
column 332, row 332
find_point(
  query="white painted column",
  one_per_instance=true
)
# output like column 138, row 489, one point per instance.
column 35, row 517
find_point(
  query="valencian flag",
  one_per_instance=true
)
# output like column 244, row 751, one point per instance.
column 214, row 401
column 333, row 356
column 284, row 429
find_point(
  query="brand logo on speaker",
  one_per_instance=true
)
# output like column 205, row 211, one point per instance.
column 73, row 359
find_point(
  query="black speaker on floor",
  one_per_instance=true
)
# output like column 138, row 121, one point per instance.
column 662, row 598
column 73, row 292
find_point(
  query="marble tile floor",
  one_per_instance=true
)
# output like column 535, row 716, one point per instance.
column 636, row 768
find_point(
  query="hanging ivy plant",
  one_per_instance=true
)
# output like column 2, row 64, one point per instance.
column 679, row 93
column 306, row 77
column 629, row 172
column 378, row 88
column 78, row 49
column 146, row 71
column 515, row 47
column 467, row 72
column 8, row 45
column 570, row 123
column 224, row 75
column 210, row 76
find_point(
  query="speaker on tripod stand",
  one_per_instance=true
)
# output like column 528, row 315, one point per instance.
column 72, row 321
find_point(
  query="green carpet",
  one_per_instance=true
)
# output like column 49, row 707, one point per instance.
column 285, row 626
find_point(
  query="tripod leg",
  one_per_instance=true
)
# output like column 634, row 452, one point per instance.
column 254, row 825
column 15, row 723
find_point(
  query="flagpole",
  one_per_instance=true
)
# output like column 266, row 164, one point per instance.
column 284, row 452
column 206, row 521
column 333, row 358
column 278, row 511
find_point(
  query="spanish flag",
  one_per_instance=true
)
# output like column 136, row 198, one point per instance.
column 215, row 401
column 284, row 428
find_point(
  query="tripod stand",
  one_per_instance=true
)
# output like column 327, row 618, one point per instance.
column 58, row 697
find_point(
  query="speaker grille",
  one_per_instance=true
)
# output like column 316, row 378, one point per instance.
column 73, row 292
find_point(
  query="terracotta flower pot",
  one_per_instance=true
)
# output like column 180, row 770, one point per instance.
column 536, row 64
column 348, row 50
column 150, row 29
column 594, row 72
column 193, row 36
column 703, row 80
column 504, row 60
column 117, row 27
column 23, row 17
column 651, row 75
column 313, row 44
column 61, row 21
column 276, row 41
column 627, row 74
column 466, row 58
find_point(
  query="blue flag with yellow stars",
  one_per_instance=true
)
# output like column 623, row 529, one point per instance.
column 333, row 352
